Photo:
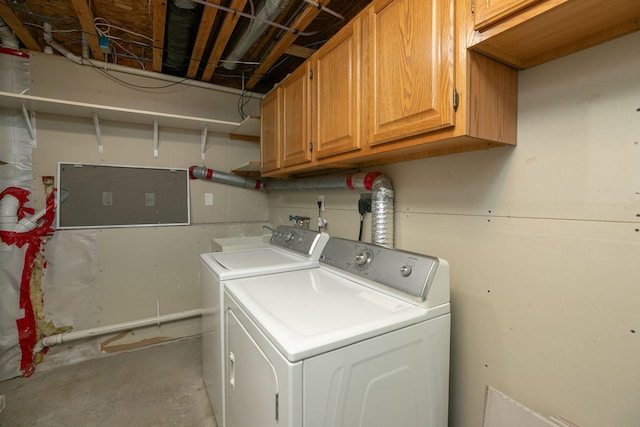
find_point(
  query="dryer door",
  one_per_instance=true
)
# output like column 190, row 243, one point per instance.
column 251, row 382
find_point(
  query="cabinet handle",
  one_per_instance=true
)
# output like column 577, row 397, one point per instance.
column 232, row 370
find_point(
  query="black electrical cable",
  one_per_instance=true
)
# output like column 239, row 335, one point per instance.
column 361, row 224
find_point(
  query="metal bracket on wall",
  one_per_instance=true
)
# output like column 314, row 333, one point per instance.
column 98, row 125
column 30, row 120
column 203, row 141
column 155, row 138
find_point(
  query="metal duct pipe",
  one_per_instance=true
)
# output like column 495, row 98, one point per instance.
column 183, row 18
column 382, row 211
column 7, row 38
column 268, row 12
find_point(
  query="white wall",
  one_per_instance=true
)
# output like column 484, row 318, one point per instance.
column 543, row 241
column 126, row 270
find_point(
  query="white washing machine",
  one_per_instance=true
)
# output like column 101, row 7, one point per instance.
column 362, row 341
column 290, row 248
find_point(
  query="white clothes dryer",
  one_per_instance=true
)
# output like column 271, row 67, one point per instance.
column 362, row 341
column 290, row 248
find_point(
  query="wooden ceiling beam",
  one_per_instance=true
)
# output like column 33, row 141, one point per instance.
column 204, row 31
column 222, row 40
column 299, row 51
column 20, row 30
column 159, row 20
column 85, row 16
column 303, row 20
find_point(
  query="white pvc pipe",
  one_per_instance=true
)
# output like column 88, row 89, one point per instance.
column 9, row 212
column 109, row 329
column 269, row 11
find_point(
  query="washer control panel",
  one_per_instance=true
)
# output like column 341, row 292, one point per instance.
column 296, row 239
column 404, row 271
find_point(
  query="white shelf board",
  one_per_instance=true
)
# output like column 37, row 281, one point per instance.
column 108, row 113
column 249, row 127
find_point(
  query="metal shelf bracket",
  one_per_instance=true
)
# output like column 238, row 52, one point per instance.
column 98, row 125
column 30, row 120
column 155, row 138
column 203, row 141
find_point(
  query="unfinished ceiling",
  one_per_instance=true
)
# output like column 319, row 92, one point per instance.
column 250, row 44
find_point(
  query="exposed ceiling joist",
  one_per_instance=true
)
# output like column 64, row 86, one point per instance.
column 222, row 40
column 299, row 51
column 20, row 30
column 159, row 20
column 85, row 16
column 300, row 24
column 204, row 32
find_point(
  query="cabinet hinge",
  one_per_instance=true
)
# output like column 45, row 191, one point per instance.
column 473, row 6
column 277, row 406
column 311, row 147
column 310, row 74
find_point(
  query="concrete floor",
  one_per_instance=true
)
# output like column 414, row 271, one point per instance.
column 156, row 386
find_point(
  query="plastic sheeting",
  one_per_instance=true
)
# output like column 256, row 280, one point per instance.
column 15, row 140
column 15, row 153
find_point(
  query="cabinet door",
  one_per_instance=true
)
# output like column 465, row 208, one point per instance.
column 488, row 12
column 252, row 387
column 411, row 53
column 296, row 148
column 270, row 131
column 337, row 83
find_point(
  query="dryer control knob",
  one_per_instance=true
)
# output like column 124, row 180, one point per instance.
column 406, row 270
column 363, row 258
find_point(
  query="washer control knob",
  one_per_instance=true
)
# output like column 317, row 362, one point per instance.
column 406, row 270
column 288, row 237
column 363, row 258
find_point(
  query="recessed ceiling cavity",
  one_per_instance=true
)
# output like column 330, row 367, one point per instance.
column 183, row 18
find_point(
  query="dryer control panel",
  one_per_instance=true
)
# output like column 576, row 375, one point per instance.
column 299, row 240
column 407, row 272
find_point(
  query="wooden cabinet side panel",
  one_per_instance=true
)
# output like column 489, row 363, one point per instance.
column 410, row 62
column 493, row 99
column 270, row 131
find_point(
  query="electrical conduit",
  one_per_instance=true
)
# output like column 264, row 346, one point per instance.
column 382, row 212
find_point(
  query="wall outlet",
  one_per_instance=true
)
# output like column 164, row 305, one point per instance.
column 208, row 199
column 149, row 199
column 107, row 198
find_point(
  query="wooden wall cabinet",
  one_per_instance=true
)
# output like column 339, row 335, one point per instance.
column 525, row 33
column 318, row 107
column 398, row 83
column 337, row 83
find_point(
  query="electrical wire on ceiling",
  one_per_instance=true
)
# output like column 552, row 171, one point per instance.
column 103, row 28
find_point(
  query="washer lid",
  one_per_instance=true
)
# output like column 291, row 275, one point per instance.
column 229, row 265
column 308, row 312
